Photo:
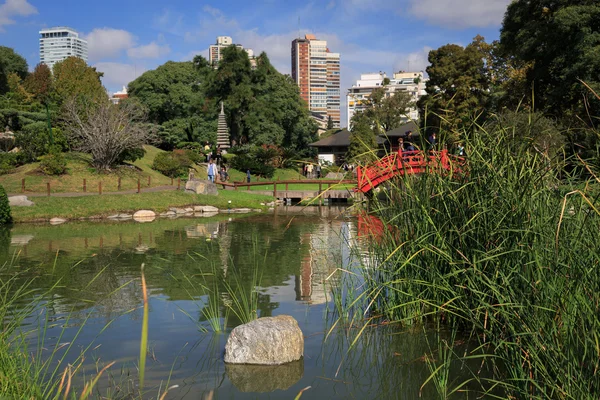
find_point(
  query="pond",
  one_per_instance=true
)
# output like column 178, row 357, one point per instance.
column 89, row 278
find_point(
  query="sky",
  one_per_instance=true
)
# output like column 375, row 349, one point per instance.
column 128, row 37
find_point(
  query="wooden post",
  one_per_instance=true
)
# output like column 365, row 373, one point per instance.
column 320, row 191
column 139, row 186
column 48, row 188
column 178, row 183
column 23, row 185
column 149, row 180
column 171, row 181
column 84, row 186
column 248, row 187
column 100, row 188
column 274, row 189
column 287, row 185
column 119, row 184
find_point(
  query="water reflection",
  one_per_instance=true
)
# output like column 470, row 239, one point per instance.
column 90, row 273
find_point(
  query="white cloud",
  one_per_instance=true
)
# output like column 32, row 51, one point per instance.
column 460, row 13
column 108, row 42
column 117, row 75
column 14, row 8
column 151, row 50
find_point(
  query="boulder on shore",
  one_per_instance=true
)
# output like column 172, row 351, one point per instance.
column 265, row 341
column 19, row 201
column 201, row 187
column 144, row 216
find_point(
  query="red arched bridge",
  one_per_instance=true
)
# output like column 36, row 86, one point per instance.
column 405, row 163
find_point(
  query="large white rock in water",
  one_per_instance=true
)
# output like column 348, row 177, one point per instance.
column 144, row 216
column 265, row 341
column 201, row 187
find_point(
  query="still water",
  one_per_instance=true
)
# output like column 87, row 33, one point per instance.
column 89, row 278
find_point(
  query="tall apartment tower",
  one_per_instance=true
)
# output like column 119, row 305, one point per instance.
column 317, row 73
column 215, row 50
column 61, row 42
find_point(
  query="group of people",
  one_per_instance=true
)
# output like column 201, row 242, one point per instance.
column 408, row 146
column 215, row 154
column 312, row 171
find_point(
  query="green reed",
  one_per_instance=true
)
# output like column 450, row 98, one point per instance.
column 495, row 250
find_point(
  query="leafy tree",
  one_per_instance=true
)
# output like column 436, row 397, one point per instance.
column 107, row 131
column 73, row 78
column 457, row 89
column 363, row 142
column 39, row 83
column 10, row 62
column 387, row 113
column 559, row 42
column 16, row 90
column 169, row 92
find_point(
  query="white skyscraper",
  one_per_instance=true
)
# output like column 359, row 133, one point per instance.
column 61, row 42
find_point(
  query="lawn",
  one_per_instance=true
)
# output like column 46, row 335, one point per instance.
column 108, row 204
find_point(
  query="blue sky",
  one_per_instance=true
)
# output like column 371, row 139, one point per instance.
column 128, row 37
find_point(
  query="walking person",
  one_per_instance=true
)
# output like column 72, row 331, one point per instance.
column 212, row 171
column 432, row 142
column 248, row 176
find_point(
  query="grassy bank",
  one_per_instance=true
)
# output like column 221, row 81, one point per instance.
column 105, row 205
column 501, row 256
column 78, row 169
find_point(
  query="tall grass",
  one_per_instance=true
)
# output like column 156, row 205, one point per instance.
column 499, row 255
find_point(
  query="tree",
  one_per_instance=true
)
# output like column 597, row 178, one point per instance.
column 388, row 112
column 363, row 142
column 105, row 130
column 329, row 123
column 559, row 41
column 169, row 92
column 11, row 62
column 39, row 83
column 457, row 89
column 73, row 78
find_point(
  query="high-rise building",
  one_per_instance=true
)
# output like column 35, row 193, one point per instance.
column 59, row 43
column 215, row 50
column 316, row 71
column 411, row 82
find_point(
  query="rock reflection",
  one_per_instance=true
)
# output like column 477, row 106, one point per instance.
column 265, row 378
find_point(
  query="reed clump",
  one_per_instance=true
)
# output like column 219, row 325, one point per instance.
column 503, row 252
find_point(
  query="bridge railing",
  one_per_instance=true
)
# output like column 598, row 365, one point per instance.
column 402, row 163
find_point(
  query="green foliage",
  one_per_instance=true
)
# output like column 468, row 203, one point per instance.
column 54, row 163
column 5, row 215
column 170, row 92
column 262, row 106
column 559, row 40
column 73, row 78
column 259, row 160
column 40, row 83
column 8, row 161
column 172, row 164
column 533, row 128
column 500, row 256
column 131, row 155
column 33, row 141
column 387, row 113
column 363, row 145
column 457, row 89
column 10, row 62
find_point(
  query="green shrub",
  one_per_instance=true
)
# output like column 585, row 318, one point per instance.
column 54, row 163
column 172, row 164
column 5, row 216
column 33, row 141
column 8, row 161
column 243, row 162
column 131, row 155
